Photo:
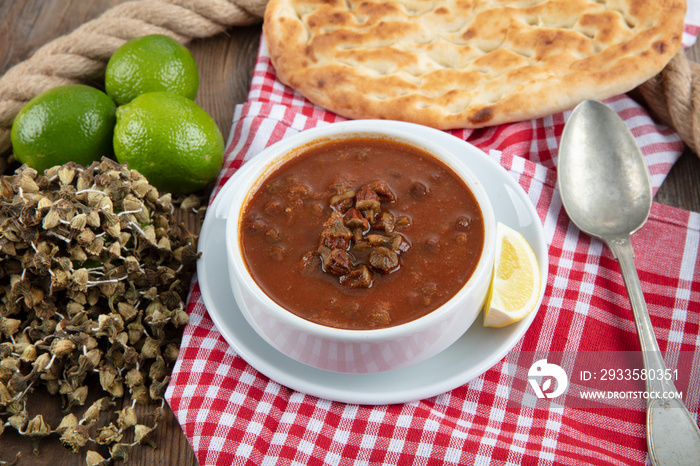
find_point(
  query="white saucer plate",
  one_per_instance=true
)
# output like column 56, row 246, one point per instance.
column 478, row 350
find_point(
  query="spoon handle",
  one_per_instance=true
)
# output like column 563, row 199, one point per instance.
column 673, row 436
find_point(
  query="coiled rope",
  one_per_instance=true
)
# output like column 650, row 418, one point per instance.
column 673, row 98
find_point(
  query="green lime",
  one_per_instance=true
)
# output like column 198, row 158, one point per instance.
column 67, row 123
column 170, row 140
column 148, row 64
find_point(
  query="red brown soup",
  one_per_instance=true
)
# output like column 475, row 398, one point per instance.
column 362, row 233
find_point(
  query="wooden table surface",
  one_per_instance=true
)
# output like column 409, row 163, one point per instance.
column 225, row 64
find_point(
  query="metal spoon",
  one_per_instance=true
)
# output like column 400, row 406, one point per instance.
column 606, row 190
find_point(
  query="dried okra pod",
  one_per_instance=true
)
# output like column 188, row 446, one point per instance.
column 92, row 278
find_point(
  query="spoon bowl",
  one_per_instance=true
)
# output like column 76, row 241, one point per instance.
column 601, row 172
column 606, row 190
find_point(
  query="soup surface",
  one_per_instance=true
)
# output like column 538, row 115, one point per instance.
column 362, row 234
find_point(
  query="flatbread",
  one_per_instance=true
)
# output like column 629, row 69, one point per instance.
column 468, row 63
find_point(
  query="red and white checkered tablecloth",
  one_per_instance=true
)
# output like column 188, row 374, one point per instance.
column 232, row 414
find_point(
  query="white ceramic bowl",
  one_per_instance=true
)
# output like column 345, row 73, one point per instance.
column 342, row 350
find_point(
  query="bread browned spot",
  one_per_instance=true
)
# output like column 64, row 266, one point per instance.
column 483, row 115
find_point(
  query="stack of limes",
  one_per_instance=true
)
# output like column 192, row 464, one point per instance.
column 155, row 126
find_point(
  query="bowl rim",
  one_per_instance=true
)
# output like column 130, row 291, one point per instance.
column 258, row 168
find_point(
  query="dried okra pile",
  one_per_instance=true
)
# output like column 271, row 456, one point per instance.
column 93, row 279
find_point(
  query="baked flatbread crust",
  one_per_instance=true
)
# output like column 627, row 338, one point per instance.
column 467, row 63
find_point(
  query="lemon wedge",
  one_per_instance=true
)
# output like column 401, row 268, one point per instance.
column 515, row 287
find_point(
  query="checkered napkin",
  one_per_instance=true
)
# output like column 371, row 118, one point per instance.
column 232, row 414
